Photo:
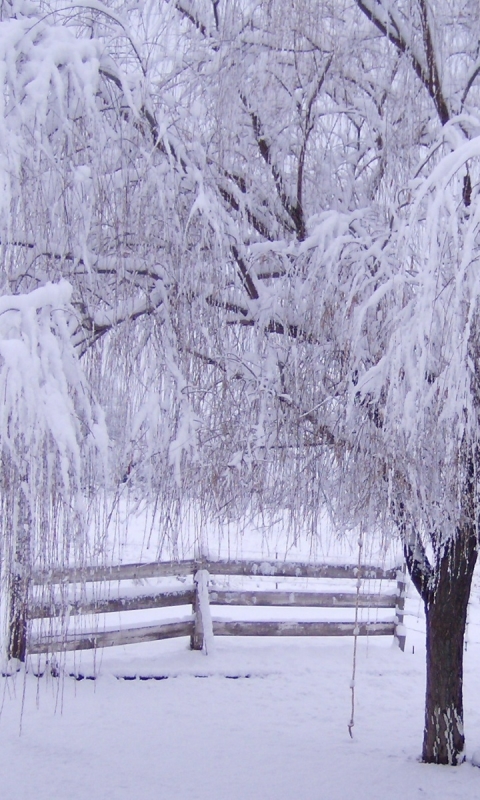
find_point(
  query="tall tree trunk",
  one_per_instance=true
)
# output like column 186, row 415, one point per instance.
column 446, row 615
column 445, row 591
column 20, row 578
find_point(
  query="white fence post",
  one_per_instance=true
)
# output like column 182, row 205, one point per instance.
column 202, row 637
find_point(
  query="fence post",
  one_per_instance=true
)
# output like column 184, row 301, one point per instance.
column 202, row 636
column 400, row 633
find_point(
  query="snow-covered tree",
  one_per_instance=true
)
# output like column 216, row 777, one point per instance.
column 52, row 447
column 268, row 216
column 418, row 379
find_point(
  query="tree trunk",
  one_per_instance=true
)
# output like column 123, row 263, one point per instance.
column 446, row 601
column 20, row 579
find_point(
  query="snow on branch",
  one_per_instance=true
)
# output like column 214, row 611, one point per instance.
column 417, row 344
column 46, row 406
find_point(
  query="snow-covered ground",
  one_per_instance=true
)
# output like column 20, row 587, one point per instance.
column 256, row 720
column 279, row 731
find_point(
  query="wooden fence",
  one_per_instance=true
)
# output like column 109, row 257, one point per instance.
column 202, row 595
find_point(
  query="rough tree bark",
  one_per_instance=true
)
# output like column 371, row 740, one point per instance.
column 445, row 590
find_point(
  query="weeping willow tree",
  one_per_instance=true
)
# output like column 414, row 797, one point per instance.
column 50, row 437
column 416, row 391
column 410, row 420
column 334, row 353
column 51, row 430
column 267, row 213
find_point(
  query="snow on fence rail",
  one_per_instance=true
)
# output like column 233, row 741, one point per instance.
column 201, row 596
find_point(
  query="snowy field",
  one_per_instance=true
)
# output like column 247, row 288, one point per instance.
column 256, row 720
column 279, row 732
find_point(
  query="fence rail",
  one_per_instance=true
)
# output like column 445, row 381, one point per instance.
column 183, row 597
column 310, row 628
column 165, row 569
column 202, row 596
column 301, row 599
column 90, row 641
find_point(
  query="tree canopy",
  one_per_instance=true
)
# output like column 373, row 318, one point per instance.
column 267, row 214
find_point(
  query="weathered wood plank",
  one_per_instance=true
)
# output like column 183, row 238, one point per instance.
column 95, row 639
column 105, row 606
column 296, row 570
column 121, row 572
column 301, row 599
column 81, row 640
column 311, row 628
column 160, row 569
